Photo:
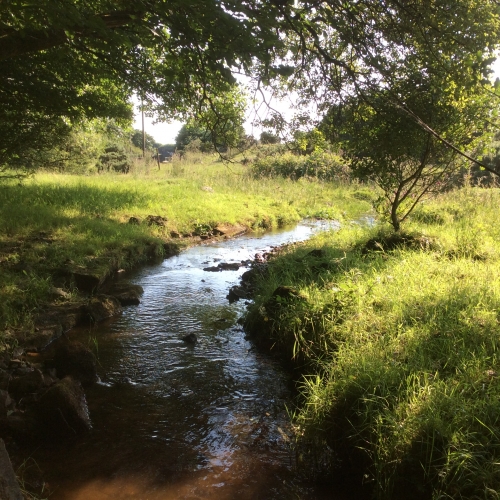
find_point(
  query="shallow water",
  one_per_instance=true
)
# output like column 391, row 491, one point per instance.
column 178, row 421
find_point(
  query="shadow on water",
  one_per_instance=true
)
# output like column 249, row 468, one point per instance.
column 178, row 421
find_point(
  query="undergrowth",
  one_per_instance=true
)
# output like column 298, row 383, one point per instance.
column 398, row 346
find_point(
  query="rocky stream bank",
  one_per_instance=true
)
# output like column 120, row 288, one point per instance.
column 43, row 379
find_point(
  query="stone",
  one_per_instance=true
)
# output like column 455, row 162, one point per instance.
column 229, row 266
column 9, row 488
column 156, row 220
column 62, row 410
column 126, row 294
column 134, row 220
column 236, row 293
column 229, row 230
column 74, row 359
column 5, row 379
column 59, row 293
column 27, row 384
column 101, row 307
column 252, row 274
column 5, row 403
column 87, row 283
column 21, row 424
column 212, row 269
column 190, row 338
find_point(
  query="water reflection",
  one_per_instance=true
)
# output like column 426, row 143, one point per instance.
column 184, row 421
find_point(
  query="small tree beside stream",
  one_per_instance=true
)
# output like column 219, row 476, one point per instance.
column 387, row 145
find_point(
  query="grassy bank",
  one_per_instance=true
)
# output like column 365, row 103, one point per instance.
column 398, row 344
column 54, row 222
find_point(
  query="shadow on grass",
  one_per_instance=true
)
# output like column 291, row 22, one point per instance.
column 42, row 202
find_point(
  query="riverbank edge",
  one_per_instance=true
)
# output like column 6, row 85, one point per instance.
column 368, row 322
column 57, row 315
column 96, row 300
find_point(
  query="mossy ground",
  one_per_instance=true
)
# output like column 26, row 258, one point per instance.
column 398, row 347
column 52, row 221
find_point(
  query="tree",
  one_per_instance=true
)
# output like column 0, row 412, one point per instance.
column 267, row 137
column 77, row 59
column 219, row 122
column 344, row 50
column 192, row 131
column 72, row 59
column 137, row 138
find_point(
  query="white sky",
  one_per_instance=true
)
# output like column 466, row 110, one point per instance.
column 165, row 133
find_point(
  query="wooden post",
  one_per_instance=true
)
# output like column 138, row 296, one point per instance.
column 143, row 131
column 158, row 157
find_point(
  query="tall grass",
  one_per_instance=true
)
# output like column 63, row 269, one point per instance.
column 399, row 348
column 51, row 220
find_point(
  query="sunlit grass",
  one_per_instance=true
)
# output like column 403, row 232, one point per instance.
column 52, row 219
column 401, row 348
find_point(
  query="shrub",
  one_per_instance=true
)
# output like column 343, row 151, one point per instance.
column 320, row 165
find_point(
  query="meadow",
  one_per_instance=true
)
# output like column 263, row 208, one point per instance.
column 54, row 221
column 395, row 344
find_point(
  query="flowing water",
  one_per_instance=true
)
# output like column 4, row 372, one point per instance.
column 178, row 421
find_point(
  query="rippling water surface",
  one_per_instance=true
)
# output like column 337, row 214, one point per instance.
column 178, row 421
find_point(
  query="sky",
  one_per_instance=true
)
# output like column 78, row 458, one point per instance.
column 165, row 133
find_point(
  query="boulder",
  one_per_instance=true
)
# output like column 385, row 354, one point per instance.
column 22, row 425
column 101, row 307
column 5, row 403
column 229, row 266
column 86, row 282
column 9, row 489
column 229, row 230
column 27, row 384
column 74, row 359
column 252, row 274
column 125, row 293
column 5, row 378
column 54, row 320
column 212, row 269
column 236, row 293
column 62, row 409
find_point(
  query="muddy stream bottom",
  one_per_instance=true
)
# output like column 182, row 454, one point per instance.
column 178, row 421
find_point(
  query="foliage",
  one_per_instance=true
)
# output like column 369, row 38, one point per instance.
column 190, row 132
column 398, row 348
column 310, row 142
column 319, row 165
column 115, row 159
column 394, row 55
column 137, row 141
column 79, row 60
column 407, row 161
column 62, row 62
column 219, row 124
column 267, row 137
column 76, row 149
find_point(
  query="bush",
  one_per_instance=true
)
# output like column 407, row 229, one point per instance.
column 320, row 165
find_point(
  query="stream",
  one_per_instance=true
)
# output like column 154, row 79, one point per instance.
column 178, row 421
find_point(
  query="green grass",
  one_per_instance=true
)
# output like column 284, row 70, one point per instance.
column 399, row 349
column 51, row 221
